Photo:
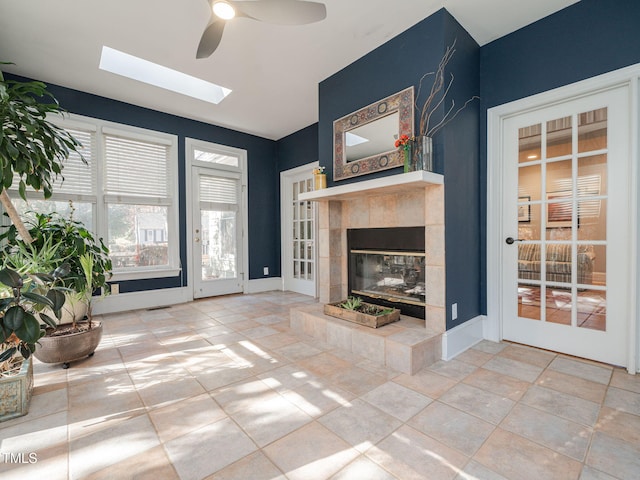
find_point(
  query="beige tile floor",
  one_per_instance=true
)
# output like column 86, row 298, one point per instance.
column 222, row 389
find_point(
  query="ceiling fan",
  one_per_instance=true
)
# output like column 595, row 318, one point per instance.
column 279, row 12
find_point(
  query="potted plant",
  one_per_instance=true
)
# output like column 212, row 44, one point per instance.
column 22, row 297
column 73, row 240
column 56, row 240
column 353, row 309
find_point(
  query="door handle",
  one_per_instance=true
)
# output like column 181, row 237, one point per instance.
column 511, row 240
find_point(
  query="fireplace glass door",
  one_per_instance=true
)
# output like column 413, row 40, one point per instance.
column 391, row 278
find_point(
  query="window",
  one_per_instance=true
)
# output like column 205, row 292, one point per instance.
column 127, row 194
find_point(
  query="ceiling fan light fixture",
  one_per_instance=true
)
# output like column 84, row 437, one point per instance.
column 223, row 10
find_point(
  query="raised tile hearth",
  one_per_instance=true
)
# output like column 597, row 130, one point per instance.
column 406, row 346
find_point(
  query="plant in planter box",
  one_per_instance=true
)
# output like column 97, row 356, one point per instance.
column 354, row 309
column 22, row 297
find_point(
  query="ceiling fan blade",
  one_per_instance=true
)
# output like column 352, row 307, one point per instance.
column 210, row 38
column 283, row 12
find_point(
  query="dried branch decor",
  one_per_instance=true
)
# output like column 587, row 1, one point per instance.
column 438, row 95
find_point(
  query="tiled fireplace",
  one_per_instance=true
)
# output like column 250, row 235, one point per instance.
column 413, row 199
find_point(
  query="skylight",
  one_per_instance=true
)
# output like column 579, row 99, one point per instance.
column 145, row 71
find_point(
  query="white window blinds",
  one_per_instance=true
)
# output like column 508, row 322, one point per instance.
column 79, row 178
column 136, row 167
column 218, row 190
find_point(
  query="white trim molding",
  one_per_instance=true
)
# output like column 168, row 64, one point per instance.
column 260, row 285
column 629, row 77
column 463, row 337
column 124, row 302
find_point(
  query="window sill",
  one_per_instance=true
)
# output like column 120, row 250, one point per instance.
column 144, row 274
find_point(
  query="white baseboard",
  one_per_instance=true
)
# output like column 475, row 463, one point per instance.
column 264, row 285
column 462, row 337
column 123, row 302
column 169, row 296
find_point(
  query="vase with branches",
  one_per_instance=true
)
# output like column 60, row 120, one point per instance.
column 422, row 147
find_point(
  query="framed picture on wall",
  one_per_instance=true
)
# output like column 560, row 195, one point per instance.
column 559, row 212
column 524, row 211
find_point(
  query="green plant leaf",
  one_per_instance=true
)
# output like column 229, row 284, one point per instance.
column 48, row 320
column 62, row 271
column 25, row 350
column 57, row 299
column 39, row 299
column 13, row 317
column 7, row 354
column 10, row 278
column 30, row 330
column 43, row 277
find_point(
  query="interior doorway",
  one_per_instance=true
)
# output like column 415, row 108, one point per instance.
column 559, row 234
column 299, row 231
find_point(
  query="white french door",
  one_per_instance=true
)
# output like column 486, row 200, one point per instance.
column 299, row 231
column 216, row 211
column 565, row 210
column 217, row 232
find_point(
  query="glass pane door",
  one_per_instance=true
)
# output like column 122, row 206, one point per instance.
column 217, row 232
column 562, row 218
column 303, row 232
column 298, row 232
column 565, row 205
column 218, row 240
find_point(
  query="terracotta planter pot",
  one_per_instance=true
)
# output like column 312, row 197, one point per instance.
column 68, row 348
column 15, row 392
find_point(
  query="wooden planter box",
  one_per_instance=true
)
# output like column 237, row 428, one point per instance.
column 373, row 321
column 15, row 392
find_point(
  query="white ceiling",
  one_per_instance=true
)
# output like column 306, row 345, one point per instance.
column 273, row 71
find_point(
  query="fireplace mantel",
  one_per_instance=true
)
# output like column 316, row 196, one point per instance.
column 400, row 183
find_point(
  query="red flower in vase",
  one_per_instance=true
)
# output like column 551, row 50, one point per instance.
column 403, row 142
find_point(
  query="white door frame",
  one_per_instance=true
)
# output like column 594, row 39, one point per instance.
column 190, row 144
column 630, row 77
column 285, row 254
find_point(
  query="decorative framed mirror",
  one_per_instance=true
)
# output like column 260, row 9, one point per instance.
column 364, row 141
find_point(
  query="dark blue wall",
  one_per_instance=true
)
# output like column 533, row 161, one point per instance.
column 264, row 233
column 298, row 149
column 587, row 39
column 460, row 163
column 392, row 67
column 295, row 150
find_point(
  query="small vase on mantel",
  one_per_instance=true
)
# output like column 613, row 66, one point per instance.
column 320, row 181
column 407, row 158
column 422, row 149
